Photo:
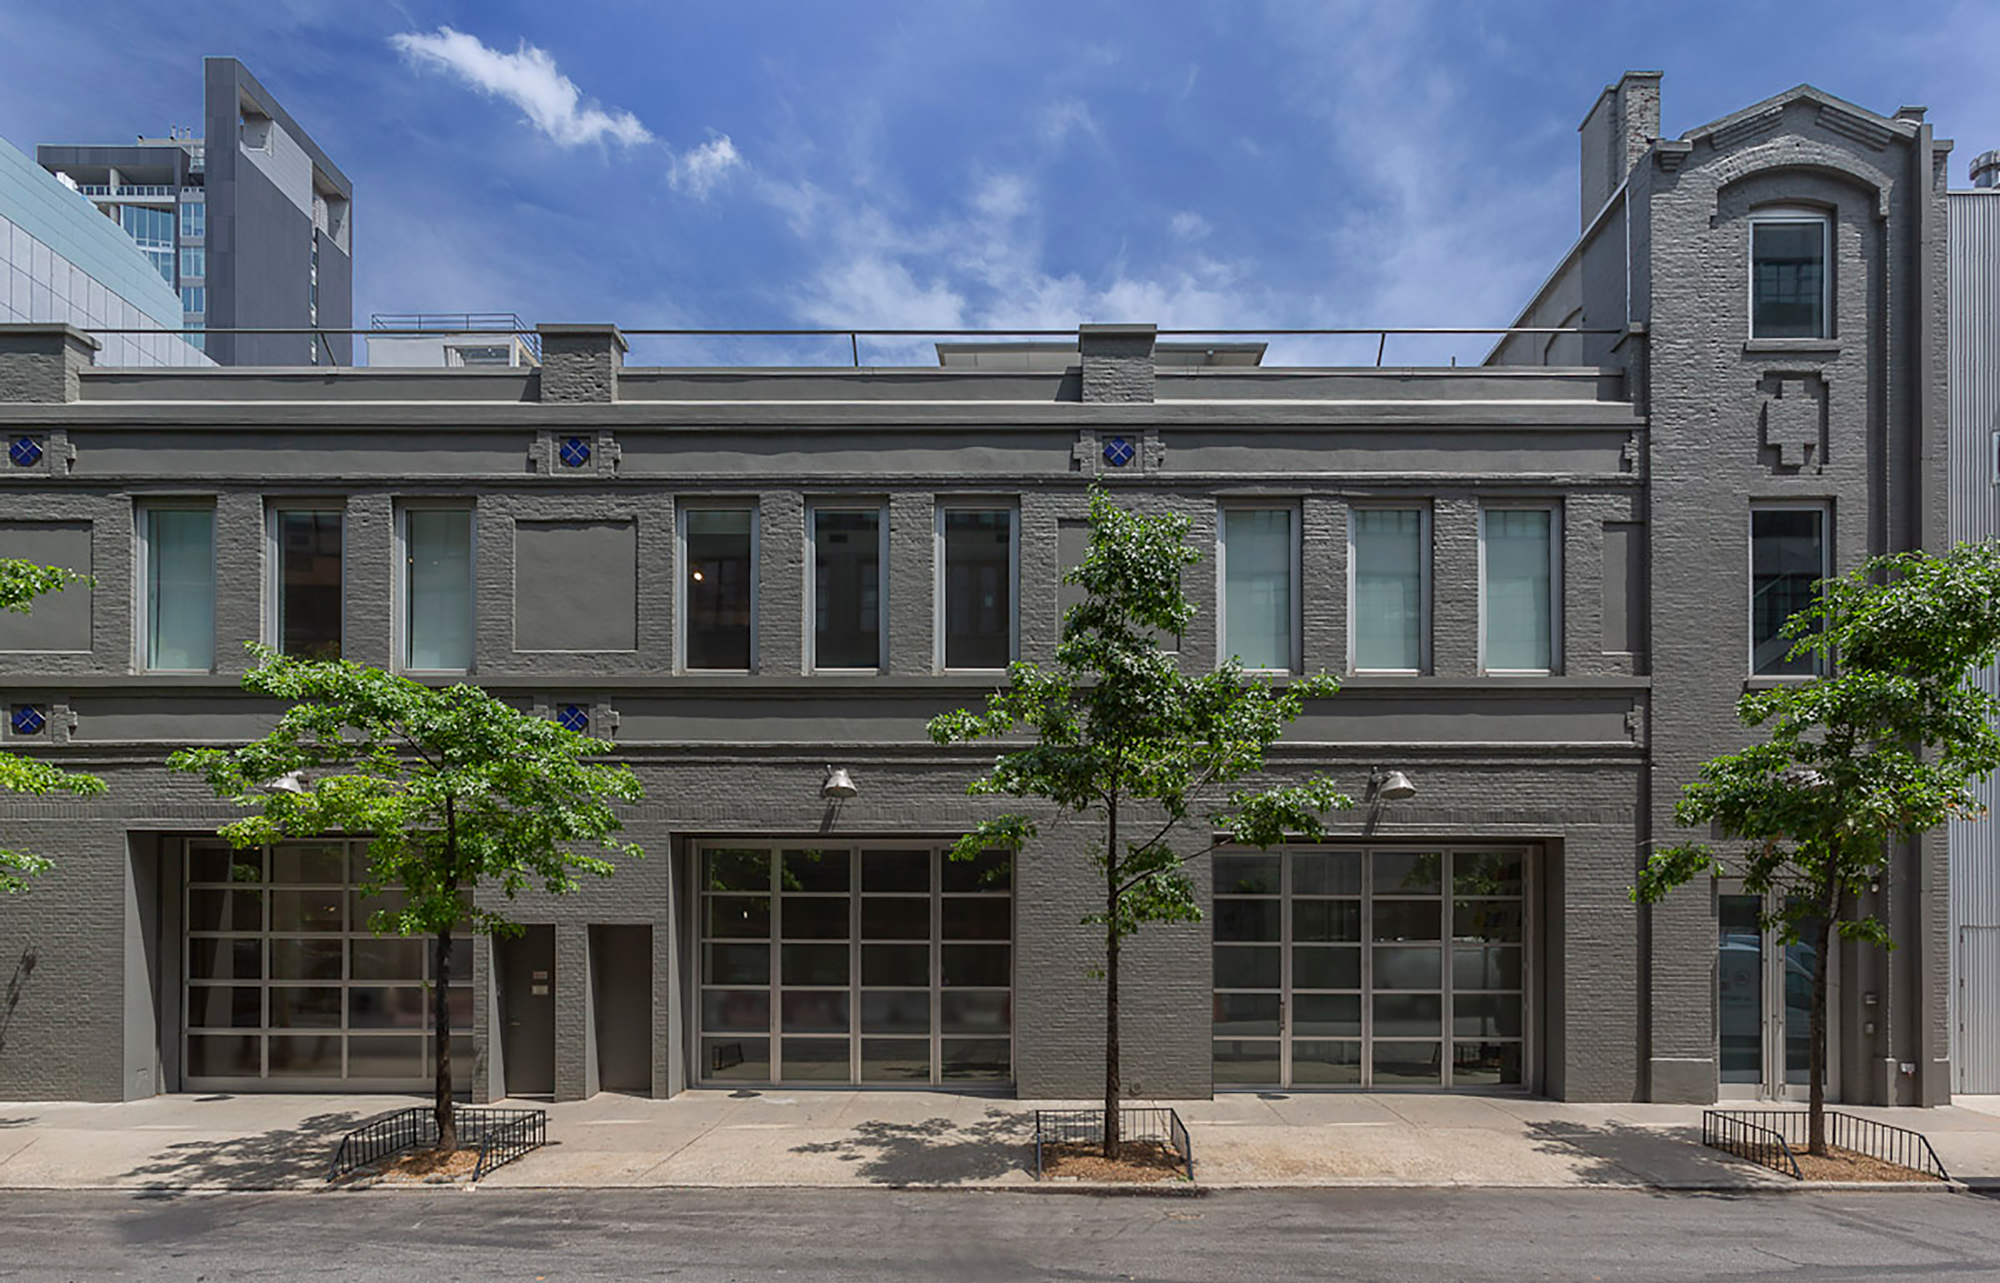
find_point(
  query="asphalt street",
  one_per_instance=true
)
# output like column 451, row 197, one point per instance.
column 969, row 1237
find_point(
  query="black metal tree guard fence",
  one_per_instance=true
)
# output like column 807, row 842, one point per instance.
column 1086, row 1127
column 500, row 1135
column 1775, row 1138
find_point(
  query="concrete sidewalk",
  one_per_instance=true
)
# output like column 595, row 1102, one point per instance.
column 783, row 1137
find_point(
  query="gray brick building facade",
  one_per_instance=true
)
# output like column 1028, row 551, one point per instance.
column 1478, row 935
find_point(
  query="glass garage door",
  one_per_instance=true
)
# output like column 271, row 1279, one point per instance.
column 286, row 989
column 855, row 964
column 1383, row 969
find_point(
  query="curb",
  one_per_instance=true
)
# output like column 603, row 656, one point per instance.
column 1987, row 1187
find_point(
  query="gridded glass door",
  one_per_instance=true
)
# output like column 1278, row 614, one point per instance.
column 1387, row 968
column 287, row 989
column 872, row 963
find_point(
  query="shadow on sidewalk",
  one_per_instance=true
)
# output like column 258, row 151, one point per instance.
column 935, row 1151
column 284, row 1157
column 1663, row 1157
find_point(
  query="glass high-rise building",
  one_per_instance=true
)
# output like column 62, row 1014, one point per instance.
column 248, row 222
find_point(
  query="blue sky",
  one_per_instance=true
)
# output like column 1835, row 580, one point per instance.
column 968, row 164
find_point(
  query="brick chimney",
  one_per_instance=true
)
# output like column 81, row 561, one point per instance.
column 580, row 362
column 1615, row 134
column 1117, row 361
column 39, row 361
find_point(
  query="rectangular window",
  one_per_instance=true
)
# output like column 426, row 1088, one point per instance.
column 437, row 589
column 307, row 557
column 194, row 262
column 194, row 299
column 719, row 550
column 1390, row 559
column 1788, row 276
column 179, row 578
column 1787, row 557
column 847, row 588
column 977, row 597
column 152, row 228
column 1259, row 556
column 194, row 219
column 1518, row 551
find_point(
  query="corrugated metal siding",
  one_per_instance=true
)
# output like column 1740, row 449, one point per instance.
column 1975, row 514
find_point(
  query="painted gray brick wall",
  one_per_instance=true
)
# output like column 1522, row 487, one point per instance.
column 1584, row 763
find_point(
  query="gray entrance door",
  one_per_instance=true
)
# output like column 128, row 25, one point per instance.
column 528, row 1008
column 1978, row 1008
column 1763, row 1008
column 1381, row 968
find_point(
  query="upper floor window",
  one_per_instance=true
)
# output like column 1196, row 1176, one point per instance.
column 194, row 262
column 849, row 607
column 153, row 228
column 437, row 589
column 1260, row 572
column 719, row 602
column 1788, row 274
column 1389, row 552
column 306, row 567
column 177, row 587
column 976, row 587
column 1520, row 559
column 194, row 219
column 1788, row 555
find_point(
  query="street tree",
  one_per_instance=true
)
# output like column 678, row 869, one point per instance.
column 1880, row 749
column 452, row 788
column 1116, row 731
column 20, row 583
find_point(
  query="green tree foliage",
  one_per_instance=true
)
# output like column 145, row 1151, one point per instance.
column 1880, row 751
column 20, row 583
column 452, row 788
column 1121, row 734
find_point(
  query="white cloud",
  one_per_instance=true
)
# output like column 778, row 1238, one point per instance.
column 1188, row 225
column 1059, row 119
column 699, row 170
column 527, row 78
column 982, row 264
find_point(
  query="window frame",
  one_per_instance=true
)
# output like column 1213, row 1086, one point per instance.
column 274, row 556
column 938, row 577
column 400, row 586
column 1423, row 511
column 681, row 511
column 1554, row 507
column 1789, row 214
column 1294, row 518
column 1823, row 507
column 814, row 507
column 142, row 534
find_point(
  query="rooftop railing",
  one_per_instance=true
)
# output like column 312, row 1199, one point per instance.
column 415, row 324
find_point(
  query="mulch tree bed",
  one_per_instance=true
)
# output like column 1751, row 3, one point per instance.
column 419, row 1167
column 1138, row 1162
column 1850, row 1165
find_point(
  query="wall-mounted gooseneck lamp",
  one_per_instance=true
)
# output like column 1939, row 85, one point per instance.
column 1389, row 786
column 838, row 784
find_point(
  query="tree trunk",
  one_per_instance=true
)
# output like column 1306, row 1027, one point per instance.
column 1816, row 1036
column 441, row 1030
column 1112, row 1087
column 447, row 1124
